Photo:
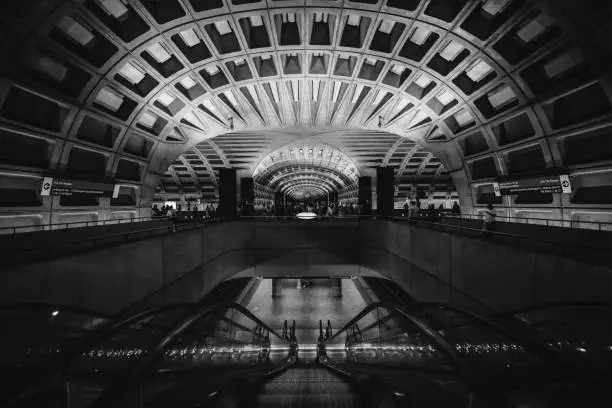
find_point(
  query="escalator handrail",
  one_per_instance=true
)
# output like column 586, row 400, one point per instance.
column 542, row 306
column 88, row 341
column 17, row 306
column 531, row 346
column 141, row 366
column 457, row 361
column 451, row 353
column 116, row 326
column 120, row 325
column 91, row 339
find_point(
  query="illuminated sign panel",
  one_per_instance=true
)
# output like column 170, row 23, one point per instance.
column 543, row 185
column 61, row 187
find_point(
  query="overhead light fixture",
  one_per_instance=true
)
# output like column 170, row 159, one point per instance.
column 109, row 99
column 165, row 99
column 187, row 83
column 147, row 120
column 231, row 123
column 306, row 216
column 190, row 38
column 419, row 35
column 380, row 121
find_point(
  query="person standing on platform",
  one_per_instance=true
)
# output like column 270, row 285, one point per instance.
column 456, row 209
column 489, row 218
column 195, row 213
column 413, row 212
column 172, row 217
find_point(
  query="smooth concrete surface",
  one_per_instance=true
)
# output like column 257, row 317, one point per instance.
column 444, row 267
column 537, row 229
column 306, row 306
column 76, row 232
column 111, row 279
column 430, row 265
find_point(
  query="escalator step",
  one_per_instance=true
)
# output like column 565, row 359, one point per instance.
column 308, row 387
column 309, row 401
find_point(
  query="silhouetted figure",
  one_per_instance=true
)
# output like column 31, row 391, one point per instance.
column 172, row 216
column 195, row 213
column 489, row 218
column 456, row 209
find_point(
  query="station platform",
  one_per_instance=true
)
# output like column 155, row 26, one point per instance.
column 306, row 306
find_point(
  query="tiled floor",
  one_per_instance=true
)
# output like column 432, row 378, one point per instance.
column 306, row 306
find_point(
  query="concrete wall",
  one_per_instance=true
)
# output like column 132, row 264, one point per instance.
column 431, row 265
column 445, row 267
column 110, row 279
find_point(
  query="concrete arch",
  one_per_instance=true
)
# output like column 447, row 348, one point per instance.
column 492, row 92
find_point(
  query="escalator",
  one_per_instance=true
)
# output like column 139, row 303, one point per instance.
column 308, row 385
column 216, row 354
column 467, row 360
column 40, row 337
column 136, row 361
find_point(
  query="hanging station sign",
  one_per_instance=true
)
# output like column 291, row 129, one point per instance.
column 52, row 186
column 543, row 185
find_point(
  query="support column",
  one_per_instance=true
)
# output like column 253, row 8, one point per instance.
column 333, row 197
column 365, row 194
column 227, row 193
column 337, row 288
column 385, row 190
column 278, row 199
column 247, row 196
column 277, row 287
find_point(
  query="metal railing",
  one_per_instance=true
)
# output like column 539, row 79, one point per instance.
column 294, row 217
column 549, row 222
column 74, row 224
column 565, row 248
column 38, row 252
column 33, row 253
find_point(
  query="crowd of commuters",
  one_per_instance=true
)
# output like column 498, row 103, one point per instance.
column 414, row 210
column 321, row 209
column 184, row 215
